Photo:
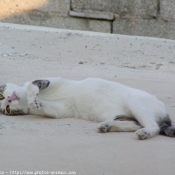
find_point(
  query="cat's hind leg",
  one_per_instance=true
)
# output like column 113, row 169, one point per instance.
column 150, row 129
column 145, row 110
column 118, row 125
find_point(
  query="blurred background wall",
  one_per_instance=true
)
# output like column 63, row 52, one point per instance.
column 153, row 18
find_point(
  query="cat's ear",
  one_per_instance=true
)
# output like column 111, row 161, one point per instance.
column 42, row 84
column 2, row 88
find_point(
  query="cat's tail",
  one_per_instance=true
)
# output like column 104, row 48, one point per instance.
column 166, row 127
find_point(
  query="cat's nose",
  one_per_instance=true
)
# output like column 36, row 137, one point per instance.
column 13, row 97
column 9, row 99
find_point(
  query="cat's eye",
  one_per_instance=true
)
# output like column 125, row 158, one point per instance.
column 8, row 109
column 1, row 97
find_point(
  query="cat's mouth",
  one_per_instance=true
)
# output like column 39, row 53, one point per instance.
column 12, row 112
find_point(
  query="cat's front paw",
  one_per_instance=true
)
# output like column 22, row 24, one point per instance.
column 103, row 127
column 34, row 103
column 142, row 134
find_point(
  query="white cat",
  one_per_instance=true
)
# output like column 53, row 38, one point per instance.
column 117, row 107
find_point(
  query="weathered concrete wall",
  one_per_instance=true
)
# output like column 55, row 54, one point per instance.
column 155, row 18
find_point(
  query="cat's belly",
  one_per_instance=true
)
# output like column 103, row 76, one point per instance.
column 88, row 108
column 95, row 100
column 97, row 109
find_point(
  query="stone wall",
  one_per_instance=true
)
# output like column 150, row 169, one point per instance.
column 155, row 18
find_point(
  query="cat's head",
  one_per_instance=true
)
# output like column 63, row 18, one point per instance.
column 13, row 100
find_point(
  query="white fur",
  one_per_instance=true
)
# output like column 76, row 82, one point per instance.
column 91, row 99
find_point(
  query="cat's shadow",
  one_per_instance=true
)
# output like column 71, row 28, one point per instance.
column 26, row 117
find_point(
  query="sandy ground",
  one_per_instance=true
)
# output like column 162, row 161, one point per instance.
column 36, row 143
